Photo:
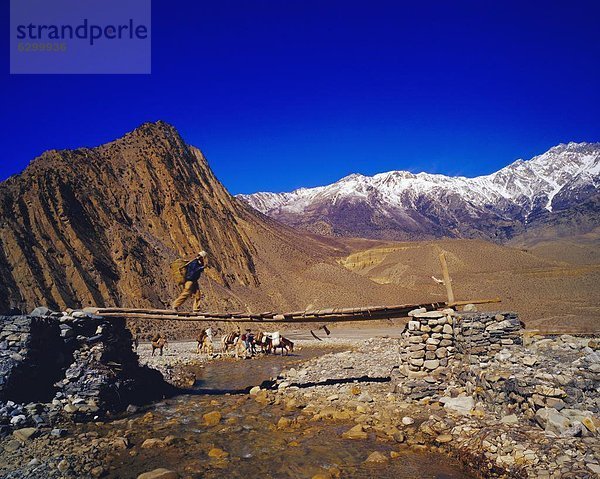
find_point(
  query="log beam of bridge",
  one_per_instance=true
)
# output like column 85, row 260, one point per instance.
column 368, row 313
column 319, row 315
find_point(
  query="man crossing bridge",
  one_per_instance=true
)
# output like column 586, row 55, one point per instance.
column 187, row 275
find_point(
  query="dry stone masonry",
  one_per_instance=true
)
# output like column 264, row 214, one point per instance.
column 74, row 365
column 429, row 340
column 480, row 335
column 28, row 357
column 434, row 339
column 437, row 342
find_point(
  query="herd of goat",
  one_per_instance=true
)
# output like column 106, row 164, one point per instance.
column 239, row 344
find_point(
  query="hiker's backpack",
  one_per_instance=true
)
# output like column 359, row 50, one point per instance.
column 178, row 270
column 194, row 270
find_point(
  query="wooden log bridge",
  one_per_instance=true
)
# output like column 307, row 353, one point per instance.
column 368, row 313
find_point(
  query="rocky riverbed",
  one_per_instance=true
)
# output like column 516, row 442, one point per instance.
column 345, row 410
column 525, row 412
column 181, row 361
column 212, row 432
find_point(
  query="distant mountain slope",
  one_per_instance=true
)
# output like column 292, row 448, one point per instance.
column 100, row 226
column 403, row 205
column 552, row 285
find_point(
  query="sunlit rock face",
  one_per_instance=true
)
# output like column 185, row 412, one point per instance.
column 100, row 226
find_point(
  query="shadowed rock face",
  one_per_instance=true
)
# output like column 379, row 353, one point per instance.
column 31, row 358
column 100, row 226
column 83, row 364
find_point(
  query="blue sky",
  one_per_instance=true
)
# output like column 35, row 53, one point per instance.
column 283, row 94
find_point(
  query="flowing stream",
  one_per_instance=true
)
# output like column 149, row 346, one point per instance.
column 255, row 447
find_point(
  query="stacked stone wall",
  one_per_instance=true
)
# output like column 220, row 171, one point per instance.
column 31, row 355
column 73, row 365
column 428, row 341
column 482, row 334
column 434, row 340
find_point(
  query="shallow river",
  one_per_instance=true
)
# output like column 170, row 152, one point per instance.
column 248, row 433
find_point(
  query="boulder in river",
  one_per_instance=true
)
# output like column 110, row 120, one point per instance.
column 217, row 453
column 160, row 473
column 376, row 457
column 357, row 432
column 212, row 418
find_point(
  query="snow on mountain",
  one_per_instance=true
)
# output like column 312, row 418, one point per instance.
column 396, row 202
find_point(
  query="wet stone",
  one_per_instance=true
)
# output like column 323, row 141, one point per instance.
column 160, row 473
column 377, row 457
column 212, row 418
column 356, row 432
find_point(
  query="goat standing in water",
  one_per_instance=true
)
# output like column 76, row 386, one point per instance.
column 268, row 341
column 229, row 339
column 263, row 339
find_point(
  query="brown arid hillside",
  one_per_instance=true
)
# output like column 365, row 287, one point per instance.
column 568, row 247
column 551, row 285
column 100, row 227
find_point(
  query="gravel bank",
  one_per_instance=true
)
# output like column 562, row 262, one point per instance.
column 527, row 426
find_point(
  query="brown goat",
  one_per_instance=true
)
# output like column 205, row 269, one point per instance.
column 158, row 342
column 205, row 344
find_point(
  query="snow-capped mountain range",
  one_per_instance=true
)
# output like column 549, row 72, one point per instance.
column 403, row 205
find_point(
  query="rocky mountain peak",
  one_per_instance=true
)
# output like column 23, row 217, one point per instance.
column 400, row 204
column 111, row 218
column 100, row 226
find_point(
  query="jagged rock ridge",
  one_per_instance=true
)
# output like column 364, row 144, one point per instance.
column 403, row 205
column 96, row 226
column 100, row 226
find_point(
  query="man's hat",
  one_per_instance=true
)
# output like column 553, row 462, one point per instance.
column 202, row 254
